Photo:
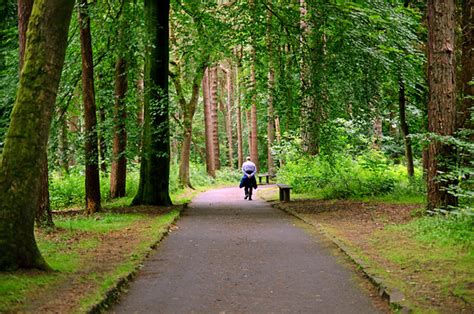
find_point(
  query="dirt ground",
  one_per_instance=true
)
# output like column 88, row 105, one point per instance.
column 355, row 224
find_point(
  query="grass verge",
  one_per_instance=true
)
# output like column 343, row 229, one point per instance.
column 89, row 255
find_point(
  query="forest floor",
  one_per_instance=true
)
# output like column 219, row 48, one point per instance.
column 89, row 255
column 432, row 277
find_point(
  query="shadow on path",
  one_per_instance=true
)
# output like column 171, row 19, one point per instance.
column 236, row 256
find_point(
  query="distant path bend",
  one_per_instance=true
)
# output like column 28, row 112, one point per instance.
column 236, row 256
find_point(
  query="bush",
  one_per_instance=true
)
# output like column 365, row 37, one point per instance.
column 340, row 176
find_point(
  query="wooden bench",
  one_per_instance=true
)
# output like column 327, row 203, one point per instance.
column 284, row 192
column 261, row 175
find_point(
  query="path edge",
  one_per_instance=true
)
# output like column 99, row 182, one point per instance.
column 111, row 296
column 392, row 295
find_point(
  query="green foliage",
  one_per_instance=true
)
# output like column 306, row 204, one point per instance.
column 340, row 176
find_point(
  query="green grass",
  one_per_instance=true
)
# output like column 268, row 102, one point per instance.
column 66, row 251
column 15, row 286
column 439, row 250
column 102, row 222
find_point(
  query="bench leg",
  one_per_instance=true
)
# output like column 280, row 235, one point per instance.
column 259, row 180
column 267, row 180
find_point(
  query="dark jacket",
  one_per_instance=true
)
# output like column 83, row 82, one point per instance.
column 248, row 182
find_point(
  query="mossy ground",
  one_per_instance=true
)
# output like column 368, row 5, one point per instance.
column 429, row 259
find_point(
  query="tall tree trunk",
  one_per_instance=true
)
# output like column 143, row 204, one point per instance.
column 43, row 217
column 230, row 105
column 214, row 117
column 253, row 114
column 466, row 109
column 309, row 121
column 43, row 211
column 208, row 125
column 240, row 154
column 24, row 13
column 278, row 136
column 118, row 173
column 442, row 98
column 26, row 139
column 90, row 119
column 404, row 128
column 63, row 144
column 270, row 110
column 188, row 109
column 249, row 130
column 155, row 163
column 102, row 142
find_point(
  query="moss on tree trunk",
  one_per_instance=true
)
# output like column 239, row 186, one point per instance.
column 27, row 135
column 154, row 172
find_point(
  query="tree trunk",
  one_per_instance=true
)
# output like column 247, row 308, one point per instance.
column 188, row 109
column 442, row 99
column 102, row 142
column 208, row 125
column 155, row 163
column 270, row 110
column 253, row 114
column 249, row 130
column 404, row 128
column 90, row 119
column 118, row 173
column 43, row 217
column 43, row 211
column 214, row 117
column 63, row 144
column 230, row 105
column 26, row 139
column 309, row 122
column 240, row 154
column 466, row 109
column 24, row 13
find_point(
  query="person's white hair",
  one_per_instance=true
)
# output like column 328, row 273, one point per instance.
column 248, row 158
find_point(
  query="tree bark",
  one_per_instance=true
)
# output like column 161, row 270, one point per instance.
column 405, row 129
column 214, row 117
column 309, row 120
column 270, row 110
column 240, row 154
column 24, row 13
column 118, row 173
column 230, row 105
column 43, row 217
column 43, row 211
column 155, row 163
column 208, row 126
column 466, row 109
column 102, row 142
column 26, row 139
column 442, row 98
column 188, row 109
column 90, row 119
column 253, row 114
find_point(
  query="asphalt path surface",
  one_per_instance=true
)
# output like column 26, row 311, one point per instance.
column 231, row 255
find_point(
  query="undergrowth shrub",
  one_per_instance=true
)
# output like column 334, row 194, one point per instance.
column 341, row 176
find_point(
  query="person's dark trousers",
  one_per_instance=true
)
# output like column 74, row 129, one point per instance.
column 248, row 192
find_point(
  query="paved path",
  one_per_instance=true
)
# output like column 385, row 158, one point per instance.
column 235, row 256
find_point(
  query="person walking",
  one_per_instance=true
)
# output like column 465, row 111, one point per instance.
column 248, row 180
